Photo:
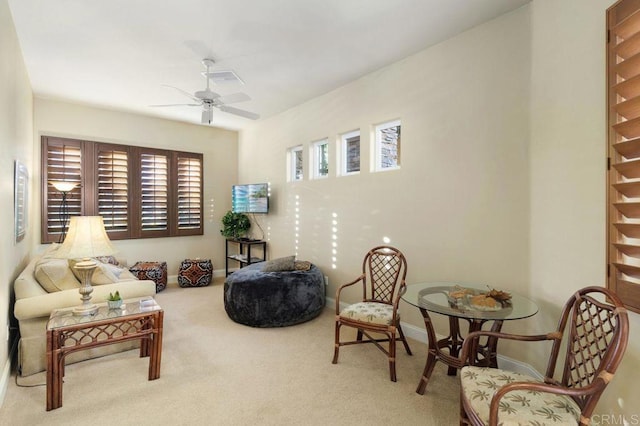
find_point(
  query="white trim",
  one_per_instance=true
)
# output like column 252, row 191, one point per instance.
column 4, row 380
column 420, row 335
column 6, row 371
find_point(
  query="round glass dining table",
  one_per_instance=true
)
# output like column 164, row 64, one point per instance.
column 455, row 300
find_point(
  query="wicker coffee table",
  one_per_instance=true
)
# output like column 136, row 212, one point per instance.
column 68, row 333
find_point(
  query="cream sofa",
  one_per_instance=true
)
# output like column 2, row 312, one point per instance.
column 48, row 283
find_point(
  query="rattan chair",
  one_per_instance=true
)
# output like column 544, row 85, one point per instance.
column 596, row 331
column 383, row 283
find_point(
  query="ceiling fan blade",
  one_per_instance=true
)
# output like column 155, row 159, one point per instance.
column 200, row 48
column 172, row 105
column 233, row 98
column 241, row 113
column 189, row 95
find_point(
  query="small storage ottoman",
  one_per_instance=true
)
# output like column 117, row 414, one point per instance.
column 195, row 273
column 154, row 271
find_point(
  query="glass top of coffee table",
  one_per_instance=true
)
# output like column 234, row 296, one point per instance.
column 65, row 317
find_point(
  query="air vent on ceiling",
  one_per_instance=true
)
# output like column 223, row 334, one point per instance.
column 223, row 77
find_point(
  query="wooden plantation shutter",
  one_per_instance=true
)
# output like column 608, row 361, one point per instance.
column 189, row 193
column 154, row 193
column 62, row 161
column 623, row 178
column 113, row 188
column 140, row 192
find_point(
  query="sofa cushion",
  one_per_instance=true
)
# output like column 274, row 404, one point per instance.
column 54, row 275
column 280, row 264
column 126, row 275
column 105, row 273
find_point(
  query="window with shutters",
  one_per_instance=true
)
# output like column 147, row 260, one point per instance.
column 62, row 163
column 140, row 192
column 113, row 187
column 623, row 177
column 189, row 177
column 154, row 188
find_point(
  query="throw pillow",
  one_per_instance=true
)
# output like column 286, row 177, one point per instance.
column 54, row 275
column 108, row 259
column 280, row 264
column 302, row 265
column 103, row 274
column 50, row 251
column 125, row 275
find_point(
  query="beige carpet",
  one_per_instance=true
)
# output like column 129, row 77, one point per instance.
column 217, row 372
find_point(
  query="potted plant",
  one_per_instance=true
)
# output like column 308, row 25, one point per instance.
column 114, row 300
column 235, row 225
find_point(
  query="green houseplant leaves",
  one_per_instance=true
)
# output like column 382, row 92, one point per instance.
column 235, row 225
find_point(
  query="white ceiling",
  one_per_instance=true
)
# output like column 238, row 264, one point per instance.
column 119, row 53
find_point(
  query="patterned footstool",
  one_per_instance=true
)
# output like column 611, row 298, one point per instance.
column 195, row 273
column 154, row 271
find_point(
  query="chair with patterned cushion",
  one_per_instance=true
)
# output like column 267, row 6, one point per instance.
column 383, row 283
column 596, row 326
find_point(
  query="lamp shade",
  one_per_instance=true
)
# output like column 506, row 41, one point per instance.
column 86, row 238
column 62, row 185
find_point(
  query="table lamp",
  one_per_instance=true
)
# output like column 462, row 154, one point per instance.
column 85, row 239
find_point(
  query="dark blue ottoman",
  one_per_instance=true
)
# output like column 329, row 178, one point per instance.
column 273, row 299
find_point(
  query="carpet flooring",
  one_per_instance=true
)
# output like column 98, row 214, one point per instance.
column 217, row 372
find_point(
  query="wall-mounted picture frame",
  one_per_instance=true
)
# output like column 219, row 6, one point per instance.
column 21, row 199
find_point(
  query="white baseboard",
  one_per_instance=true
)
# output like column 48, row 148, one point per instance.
column 420, row 335
column 4, row 380
column 6, row 371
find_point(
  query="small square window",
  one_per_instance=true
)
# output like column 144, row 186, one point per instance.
column 387, row 149
column 296, row 170
column 320, row 159
column 350, row 153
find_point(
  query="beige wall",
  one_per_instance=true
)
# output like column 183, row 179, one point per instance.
column 15, row 144
column 502, row 179
column 458, row 207
column 220, row 158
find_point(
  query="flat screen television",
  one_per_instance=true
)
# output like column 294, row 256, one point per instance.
column 250, row 198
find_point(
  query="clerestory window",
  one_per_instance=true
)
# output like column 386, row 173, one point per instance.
column 350, row 153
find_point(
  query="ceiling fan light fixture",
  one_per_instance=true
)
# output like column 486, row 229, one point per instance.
column 207, row 115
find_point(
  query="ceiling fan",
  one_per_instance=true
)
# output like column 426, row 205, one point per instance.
column 208, row 99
